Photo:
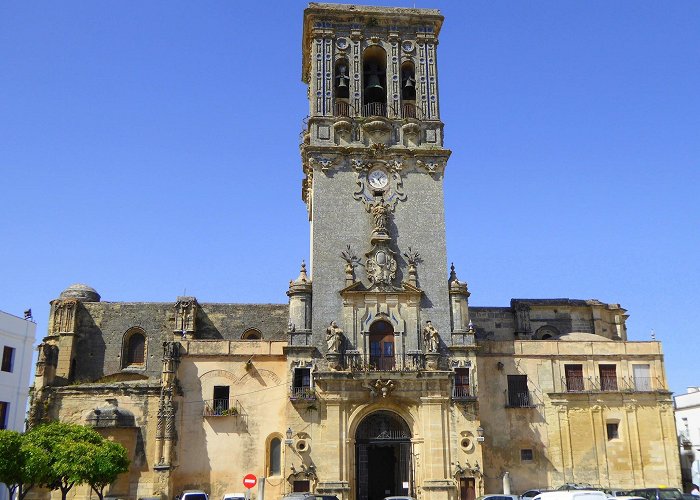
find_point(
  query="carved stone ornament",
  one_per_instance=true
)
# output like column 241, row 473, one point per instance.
column 324, row 163
column 432, row 166
column 185, row 316
column 63, row 320
column 380, row 387
column 392, row 192
column 381, row 267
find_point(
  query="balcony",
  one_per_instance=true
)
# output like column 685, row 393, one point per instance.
column 374, row 109
column 463, row 393
column 574, row 384
column 221, row 408
column 519, row 399
column 302, row 394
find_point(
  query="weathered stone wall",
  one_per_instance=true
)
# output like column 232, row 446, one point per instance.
column 102, row 326
column 567, row 430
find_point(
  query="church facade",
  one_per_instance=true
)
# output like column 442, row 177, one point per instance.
column 377, row 378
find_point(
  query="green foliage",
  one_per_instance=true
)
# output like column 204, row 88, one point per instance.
column 108, row 460
column 77, row 455
column 22, row 464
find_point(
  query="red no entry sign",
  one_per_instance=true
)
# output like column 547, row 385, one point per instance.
column 250, row 480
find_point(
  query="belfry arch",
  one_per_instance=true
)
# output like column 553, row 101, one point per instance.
column 383, row 456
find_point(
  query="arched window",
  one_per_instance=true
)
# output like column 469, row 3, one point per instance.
column 341, row 80
column 274, row 464
column 134, row 351
column 408, row 89
column 251, row 334
column 546, row 332
column 381, row 345
column 374, row 74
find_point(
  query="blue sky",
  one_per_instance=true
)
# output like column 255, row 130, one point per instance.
column 148, row 148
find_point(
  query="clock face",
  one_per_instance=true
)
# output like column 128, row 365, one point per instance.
column 378, row 179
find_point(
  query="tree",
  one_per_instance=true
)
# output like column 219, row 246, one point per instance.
column 78, row 455
column 22, row 464
column 108, row 461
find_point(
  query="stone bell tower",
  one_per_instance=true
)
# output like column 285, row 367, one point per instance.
column 374, row 162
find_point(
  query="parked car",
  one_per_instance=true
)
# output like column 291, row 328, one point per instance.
column 234, row 496
column 578, row 486
column 573, row 494
column 498, row 496
column 658, row 493
column 193, row 495
column 399, row 498
column 531, row 493
column 307, row 495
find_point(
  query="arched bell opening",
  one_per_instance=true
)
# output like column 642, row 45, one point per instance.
column 382, row 352
column 374, row 78
column 384, row 465
column 341, row 87
column 408, row 90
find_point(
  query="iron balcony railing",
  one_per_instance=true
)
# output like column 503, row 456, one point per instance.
column 221, row 408
column 374, row 109
column 519, row 399
column 342, row 108
column 611, row 384
column 463, row 392
column 302, row 394
column 408, row 110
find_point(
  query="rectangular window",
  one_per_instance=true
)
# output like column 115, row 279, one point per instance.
column 526, row 455
column 613, row 430
column 8, row 355
column 301, row 384
column 518, row 394
column 574, row 378
column 462, row 389
column 608, row 377
column 642, row 377
column 4, row 414
column 221, row 399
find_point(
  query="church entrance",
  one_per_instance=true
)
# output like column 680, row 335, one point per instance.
column 383, row 457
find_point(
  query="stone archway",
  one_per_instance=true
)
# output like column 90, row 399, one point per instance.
column 383, row 457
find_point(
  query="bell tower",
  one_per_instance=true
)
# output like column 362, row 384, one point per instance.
column 374, row 161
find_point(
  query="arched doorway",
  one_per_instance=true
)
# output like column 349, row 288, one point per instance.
column 383, row 457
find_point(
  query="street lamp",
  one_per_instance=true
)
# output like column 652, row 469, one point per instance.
column 289, row 439
column 480, row 434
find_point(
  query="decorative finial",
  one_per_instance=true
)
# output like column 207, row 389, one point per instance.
column 302, row 274
column 453, row 274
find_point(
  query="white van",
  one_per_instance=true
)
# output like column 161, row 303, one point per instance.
column 234, row 496
column 572, row 495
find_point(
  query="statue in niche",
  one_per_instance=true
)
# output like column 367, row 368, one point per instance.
column 334, row 337
column 431, row 337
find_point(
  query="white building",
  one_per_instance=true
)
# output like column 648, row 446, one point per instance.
column 688, row 425
column 16, row 349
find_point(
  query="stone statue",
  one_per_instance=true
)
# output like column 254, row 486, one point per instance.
column 380, row 214
column 334, row 337
column 431, row 337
